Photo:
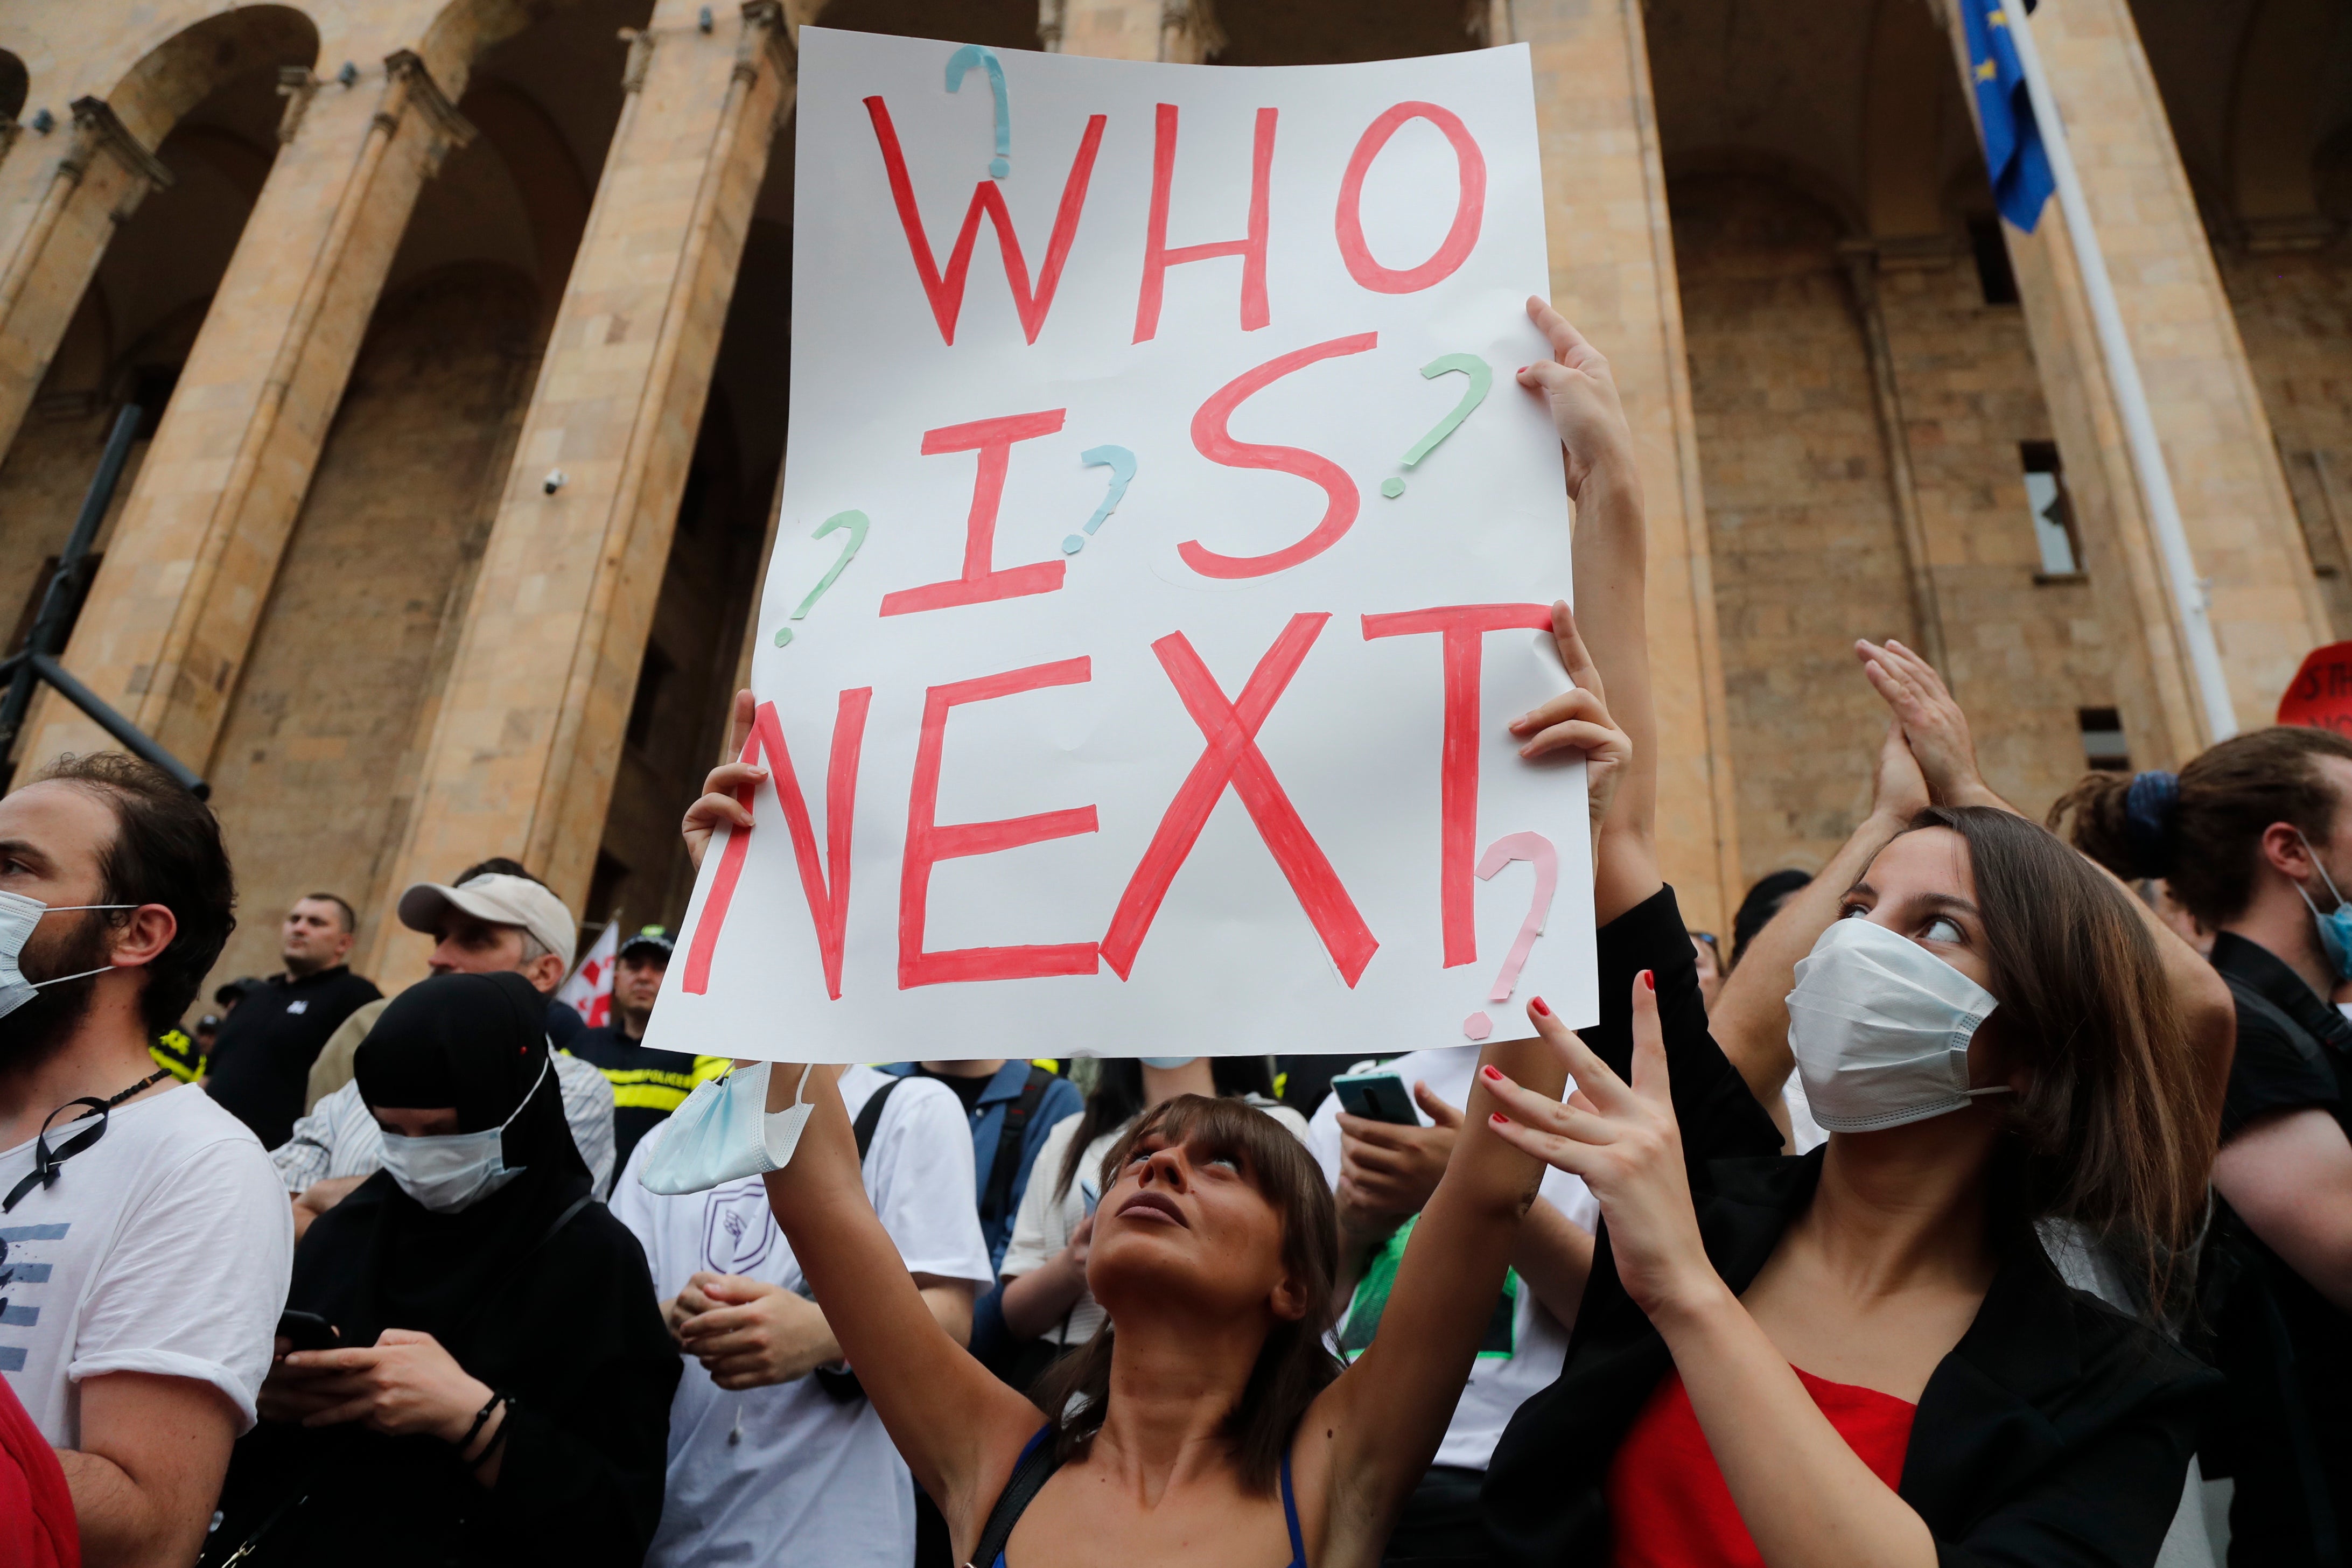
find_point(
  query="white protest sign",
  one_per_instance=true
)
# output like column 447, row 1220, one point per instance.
column 1166, row 544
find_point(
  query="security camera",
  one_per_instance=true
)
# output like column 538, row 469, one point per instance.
column 554, row 480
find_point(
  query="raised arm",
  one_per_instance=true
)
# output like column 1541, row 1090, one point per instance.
column 1367, row 1438
column 1611, row 553
column 959, row 1429
column 1751, row 1016
column 1939, row 732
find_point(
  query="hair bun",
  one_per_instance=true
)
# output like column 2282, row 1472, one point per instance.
column 2148, row 820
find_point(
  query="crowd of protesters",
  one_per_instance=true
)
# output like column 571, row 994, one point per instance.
column 1987, row 1197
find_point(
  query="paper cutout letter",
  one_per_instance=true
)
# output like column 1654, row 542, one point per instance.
column 828, row 899
column 929, row 842
column 945, row 291
column 1534, row 848
column 1469, row 208
column 1231, row 758
column 1121, row 463
column 1157, row 258
column 1464, row 627
column 981, row 581
column 962, row 61
column 1214, row 442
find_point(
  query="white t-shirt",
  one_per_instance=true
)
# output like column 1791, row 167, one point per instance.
column 1046, row 1223
column 165, row 1248
column 1519, row 1358
column 809, row 1481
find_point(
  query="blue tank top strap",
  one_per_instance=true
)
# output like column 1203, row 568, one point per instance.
column 1289, row 1517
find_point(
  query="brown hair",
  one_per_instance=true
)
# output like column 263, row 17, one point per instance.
column 2209, row 841
column 167, row 850
column 1293, row 1365
column 2114, row 1129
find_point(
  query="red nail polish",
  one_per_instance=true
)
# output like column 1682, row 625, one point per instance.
column 1492, row 1074
column 1649, row 979
column 1539, row 1006
column 1499, row 1120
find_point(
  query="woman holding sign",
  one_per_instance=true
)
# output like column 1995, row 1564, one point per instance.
column 1207, row 1422
column 1865, row 1356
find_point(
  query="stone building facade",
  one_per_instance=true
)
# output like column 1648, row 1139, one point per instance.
column 376, row 270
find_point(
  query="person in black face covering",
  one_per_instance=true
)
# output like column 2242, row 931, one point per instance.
column 502, row 1389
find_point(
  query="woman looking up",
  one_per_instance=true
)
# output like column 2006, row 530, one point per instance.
column 1206, row 1422
column 1864, row 1356
column 503, row 1391
column 2254, row 838
column 1045, row 1302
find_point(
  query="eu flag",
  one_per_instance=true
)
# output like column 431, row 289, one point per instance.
column 2013, row 155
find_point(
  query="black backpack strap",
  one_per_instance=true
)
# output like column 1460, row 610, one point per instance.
column 997, row 1201
column 1038, row 1466
column 869, row 1117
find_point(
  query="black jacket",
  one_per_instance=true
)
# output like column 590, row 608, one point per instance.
column 260, row 1065
column 2056, row 1432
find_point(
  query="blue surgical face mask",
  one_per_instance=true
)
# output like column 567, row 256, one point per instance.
column 1168, row 1064
column 724, row 1132
column 2336, row 925
column 18, row 916
column 454, row 1171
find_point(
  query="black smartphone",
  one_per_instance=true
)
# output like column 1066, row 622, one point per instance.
column 307, row 1331
column 1375, row 1097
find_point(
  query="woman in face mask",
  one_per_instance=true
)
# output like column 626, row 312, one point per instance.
column 2254, row 839
column 1865, row 1356
column 498, row 1386
column 1046, row 1304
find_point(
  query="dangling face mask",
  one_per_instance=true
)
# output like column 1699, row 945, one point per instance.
column 452, row 1170
column 2336, row 925
column 18, row 916
column 1880, row 1029
column 724, row 1132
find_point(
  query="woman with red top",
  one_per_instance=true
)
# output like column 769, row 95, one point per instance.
column 1864, row 1356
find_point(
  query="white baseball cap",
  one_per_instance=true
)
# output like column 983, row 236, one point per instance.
column 499, row 900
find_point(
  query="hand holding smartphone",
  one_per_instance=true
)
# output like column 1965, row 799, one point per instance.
column 1378, row 1096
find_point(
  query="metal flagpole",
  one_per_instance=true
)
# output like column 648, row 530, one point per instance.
column 2188, row 598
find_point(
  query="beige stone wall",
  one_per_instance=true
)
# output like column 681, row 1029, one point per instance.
column 314, row 775
column 1803, row 532
column 2023, row 654
column 1613, row 273
column 2295, row 311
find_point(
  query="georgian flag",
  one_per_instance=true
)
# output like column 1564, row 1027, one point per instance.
column 590, row 989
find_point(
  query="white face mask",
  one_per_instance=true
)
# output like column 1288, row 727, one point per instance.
column 1880, row 1029
column 452, row 1170
column 18, row 916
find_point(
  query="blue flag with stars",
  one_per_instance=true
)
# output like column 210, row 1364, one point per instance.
column 2021, row 182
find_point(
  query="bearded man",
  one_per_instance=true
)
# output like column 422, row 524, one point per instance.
column 144, row 1247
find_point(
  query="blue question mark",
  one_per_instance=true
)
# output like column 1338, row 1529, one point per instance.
column 962, row 61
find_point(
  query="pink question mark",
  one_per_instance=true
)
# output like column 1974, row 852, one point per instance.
column 1536, row 849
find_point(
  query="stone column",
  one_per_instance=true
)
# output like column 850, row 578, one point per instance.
column 523, row 748
column 1612, row 273
column 172, row 613
column 2266, row 608
column 95, row 183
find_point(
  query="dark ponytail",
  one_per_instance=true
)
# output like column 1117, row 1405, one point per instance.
column 2202, row 830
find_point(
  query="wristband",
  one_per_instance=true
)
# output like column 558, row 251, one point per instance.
column 498, row 1440
column 480, row 1417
